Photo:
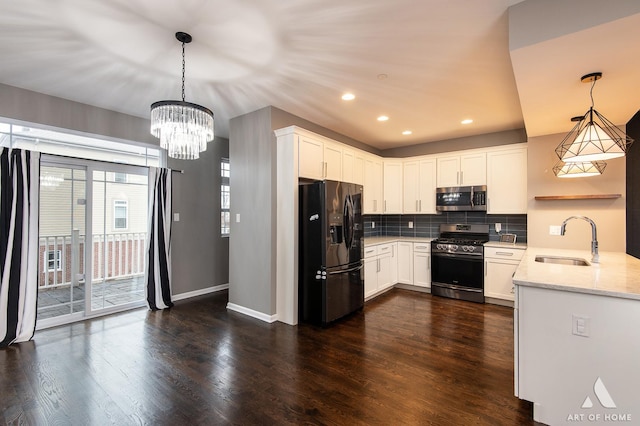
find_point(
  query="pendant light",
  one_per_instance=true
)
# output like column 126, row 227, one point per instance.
column 593, row 138
column 183, row 128
column 579, row 169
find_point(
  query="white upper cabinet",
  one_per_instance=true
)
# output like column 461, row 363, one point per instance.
column 462, row 170
column 392, row 187
column 348, row 157
column 507, row 181
column 373, row 182
column 358, row 167
column 310, row 158
column 332, row 161
column 419, row 186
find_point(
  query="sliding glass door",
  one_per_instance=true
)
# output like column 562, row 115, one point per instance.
column 93, row 224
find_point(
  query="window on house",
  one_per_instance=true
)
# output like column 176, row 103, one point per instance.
column 225, row 201
column 120, row 177
column 120, row 208
column 54, row 260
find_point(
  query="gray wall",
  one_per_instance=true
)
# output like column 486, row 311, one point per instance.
column 252, row 253
column 471, row 142
column 34, row 107
column 200, row 255
column 281, row 119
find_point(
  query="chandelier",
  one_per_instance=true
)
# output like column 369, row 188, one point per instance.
column 184, row 128
column 593, row 138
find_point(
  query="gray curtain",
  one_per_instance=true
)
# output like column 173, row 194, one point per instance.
column 19, row 199
column 158, row 263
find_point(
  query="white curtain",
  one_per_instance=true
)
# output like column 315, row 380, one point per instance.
column 158, row 263
column 19, row 200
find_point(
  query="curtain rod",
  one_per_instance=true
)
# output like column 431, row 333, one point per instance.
column 177, row 171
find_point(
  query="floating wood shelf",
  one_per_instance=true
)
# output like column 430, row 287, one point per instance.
column 578, row 197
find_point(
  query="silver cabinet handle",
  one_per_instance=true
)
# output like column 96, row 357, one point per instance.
column 461, row 178
column 378, row 266
column 428, row 262
column 417, row 208
column 420, row 209
column 385, row 205
column 485, row 268
column 458, row 178
column 421, row 247
column 504, row 253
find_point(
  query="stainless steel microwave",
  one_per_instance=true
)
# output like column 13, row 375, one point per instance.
column 462, row 198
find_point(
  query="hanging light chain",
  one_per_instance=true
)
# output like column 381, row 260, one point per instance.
column 183, row 68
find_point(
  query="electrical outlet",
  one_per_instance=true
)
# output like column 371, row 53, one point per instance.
column 498, row 227
column 554, row 230
column 410, row 225
column 373, row 225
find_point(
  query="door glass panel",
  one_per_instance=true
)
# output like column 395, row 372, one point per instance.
column 119, row 226
column 62, row 236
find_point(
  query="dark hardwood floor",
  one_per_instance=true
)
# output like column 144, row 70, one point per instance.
column 408, row 358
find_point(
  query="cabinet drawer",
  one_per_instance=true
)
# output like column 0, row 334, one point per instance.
column 503, row 253
column 370, row 251
column 385, row 249
column 422, row 247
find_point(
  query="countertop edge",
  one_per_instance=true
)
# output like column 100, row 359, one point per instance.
column 617, row 275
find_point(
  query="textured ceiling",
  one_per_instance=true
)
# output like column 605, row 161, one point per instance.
column 444, row 60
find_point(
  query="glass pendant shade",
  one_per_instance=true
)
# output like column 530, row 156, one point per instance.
column 183, row 128
column 579, row 169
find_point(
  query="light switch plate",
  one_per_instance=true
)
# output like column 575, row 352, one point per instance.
column 580, row 325
column 410, row 225
column 554, row 230
column 176, row 217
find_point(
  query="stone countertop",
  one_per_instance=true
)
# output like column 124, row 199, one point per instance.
column 617, row 274
column 372, row 241
column 498, row 244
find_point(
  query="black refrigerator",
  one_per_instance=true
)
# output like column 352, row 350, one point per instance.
column 331, row 279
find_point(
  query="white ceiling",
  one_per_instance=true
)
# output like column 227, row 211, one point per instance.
column 445, row 60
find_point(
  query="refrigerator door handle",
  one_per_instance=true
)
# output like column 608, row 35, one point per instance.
column 347, row 222
column 342, row 271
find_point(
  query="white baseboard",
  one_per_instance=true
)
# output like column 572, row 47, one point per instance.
column 200, row 292
column 252, row 313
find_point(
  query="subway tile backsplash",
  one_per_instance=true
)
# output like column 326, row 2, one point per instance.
column 429, row 225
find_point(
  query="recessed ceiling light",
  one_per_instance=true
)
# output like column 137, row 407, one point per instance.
column 383, row 118
column 407, row 132
column 348, row 97
column 467, row 121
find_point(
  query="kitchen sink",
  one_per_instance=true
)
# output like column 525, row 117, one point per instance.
column 576, row 261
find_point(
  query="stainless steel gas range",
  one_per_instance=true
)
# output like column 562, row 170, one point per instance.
column 457, row 262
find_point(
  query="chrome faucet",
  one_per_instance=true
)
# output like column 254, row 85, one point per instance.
column 595, row 257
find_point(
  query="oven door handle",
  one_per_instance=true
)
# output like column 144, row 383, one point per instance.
column 478, row 257
column 457, row 287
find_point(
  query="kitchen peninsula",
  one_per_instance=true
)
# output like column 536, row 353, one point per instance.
column 577, row 337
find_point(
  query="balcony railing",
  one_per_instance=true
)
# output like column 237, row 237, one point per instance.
column 115, row 256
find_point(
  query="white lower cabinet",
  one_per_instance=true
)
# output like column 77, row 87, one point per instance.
column 380, row 268
column 499, row 266
column 405, row 262
column 422, row 264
